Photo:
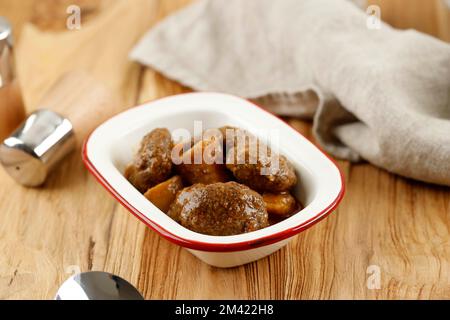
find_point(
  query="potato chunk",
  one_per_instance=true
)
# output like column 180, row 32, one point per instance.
column 162, row 195
column 280, row 204
column 204, row 163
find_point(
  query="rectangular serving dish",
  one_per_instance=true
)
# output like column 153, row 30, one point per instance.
column 112, row 145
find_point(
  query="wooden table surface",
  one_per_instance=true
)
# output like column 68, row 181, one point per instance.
column 385, row 223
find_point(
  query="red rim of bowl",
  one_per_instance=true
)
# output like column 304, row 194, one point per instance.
column 219, row 247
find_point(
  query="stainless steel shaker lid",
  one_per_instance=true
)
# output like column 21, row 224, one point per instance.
column 30, row 153
column 6, row 55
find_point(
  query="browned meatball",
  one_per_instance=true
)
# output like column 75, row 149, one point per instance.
column 219, row 209
column 152, row 164
column 258, row 170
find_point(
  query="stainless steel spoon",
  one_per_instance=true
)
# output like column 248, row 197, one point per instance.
column 97, row 285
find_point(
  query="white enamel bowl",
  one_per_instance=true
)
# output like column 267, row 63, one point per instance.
column 112, row 145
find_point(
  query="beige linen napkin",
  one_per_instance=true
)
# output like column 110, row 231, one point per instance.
column 377, row 94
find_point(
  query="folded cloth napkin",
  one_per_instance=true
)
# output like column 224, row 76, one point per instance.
column 378, row 94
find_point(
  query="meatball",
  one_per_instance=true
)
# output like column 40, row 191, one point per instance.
column 262, row 171
column 219, row 209
column 152, row 164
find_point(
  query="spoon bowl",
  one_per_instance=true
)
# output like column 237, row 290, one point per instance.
column 97, row 285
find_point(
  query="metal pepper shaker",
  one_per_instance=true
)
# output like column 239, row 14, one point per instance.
column 67, row 113
column 12, row 111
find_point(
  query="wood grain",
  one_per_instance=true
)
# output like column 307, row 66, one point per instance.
column 76, row 96
column 399, row 225
column 12, row 109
